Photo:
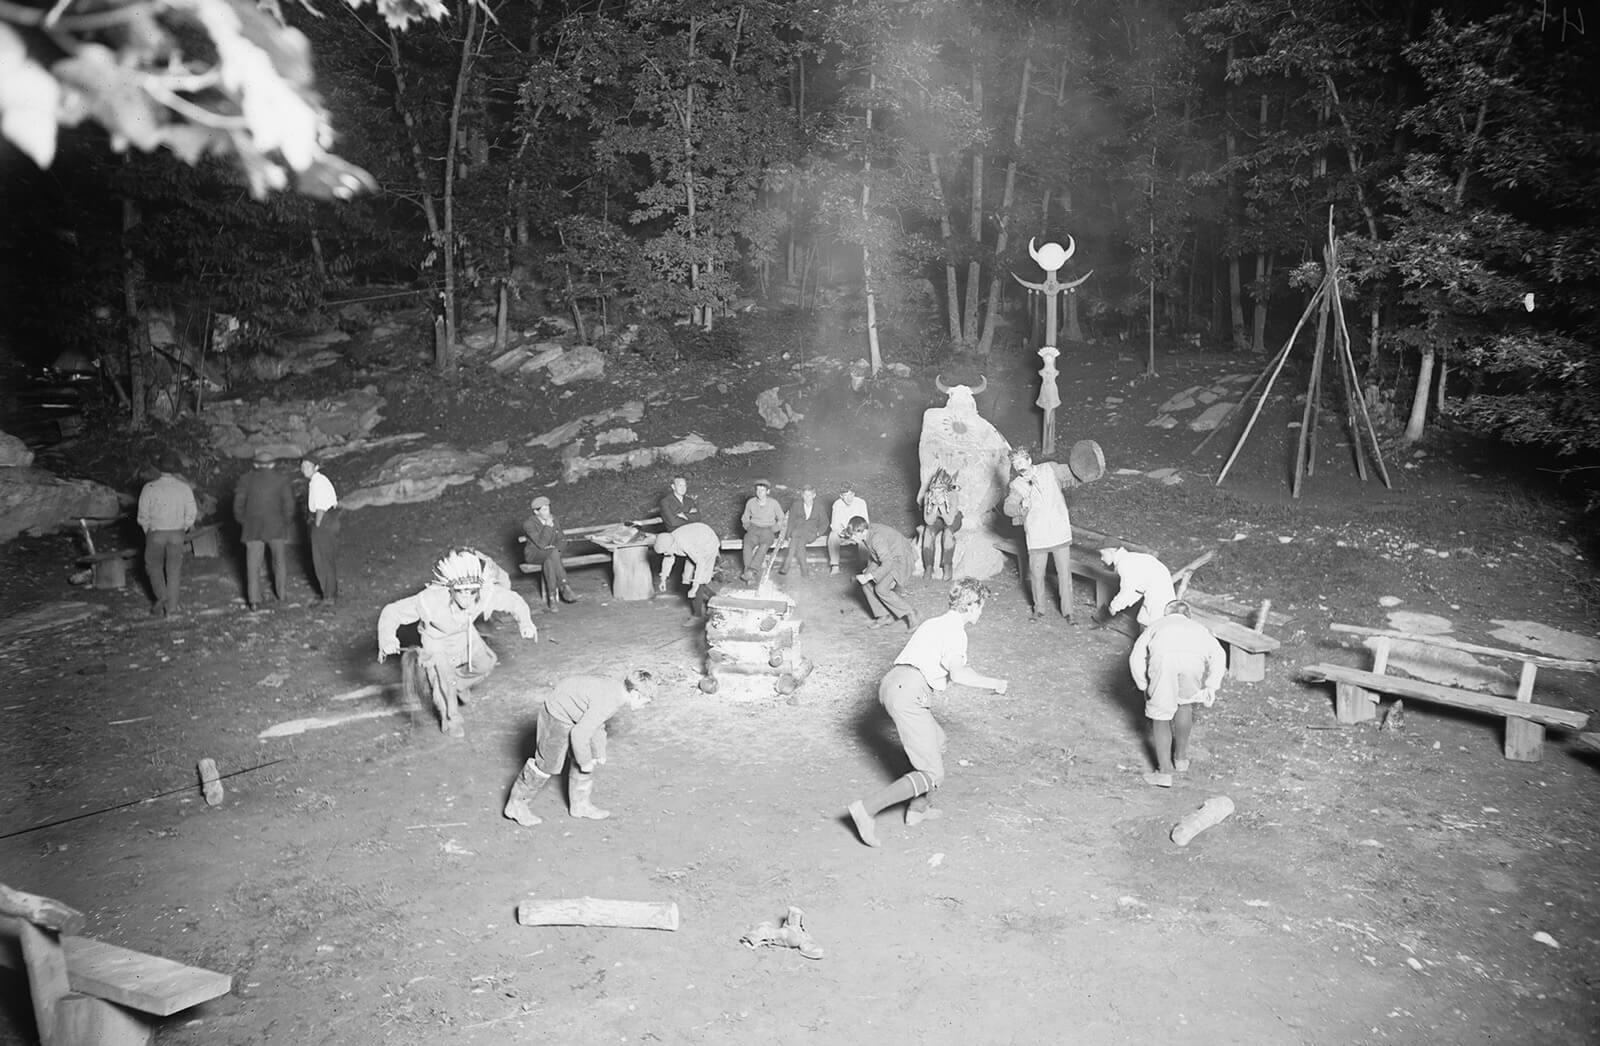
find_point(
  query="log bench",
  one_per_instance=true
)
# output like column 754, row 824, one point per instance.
column 110, row 568
column 1247, row 646
column 89, row 993
column 1357, row 692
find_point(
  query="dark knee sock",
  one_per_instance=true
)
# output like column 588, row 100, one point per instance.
column 899, row 790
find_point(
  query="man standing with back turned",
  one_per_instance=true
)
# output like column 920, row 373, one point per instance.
column 166, row 513
column 263, row 503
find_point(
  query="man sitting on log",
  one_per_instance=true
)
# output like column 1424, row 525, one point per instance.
column 573, row 719
column 453, row 654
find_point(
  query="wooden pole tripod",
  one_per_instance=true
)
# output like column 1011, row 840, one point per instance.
column 1328, row 304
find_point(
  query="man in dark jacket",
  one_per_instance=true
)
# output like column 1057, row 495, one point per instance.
column 263, row 503
column 678, row 505
column 807, row 522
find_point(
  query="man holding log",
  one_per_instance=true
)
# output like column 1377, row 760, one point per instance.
column 933, row 658
column 1178, row 664
column 573, row 719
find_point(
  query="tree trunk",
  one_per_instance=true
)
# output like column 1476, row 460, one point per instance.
column 1235, row 288
column 874, row 354
column 138, row 333
column 419, row 162
column 1419, row 400
column 952, row 295
column 1258, row 317
column 1002, row 238
column 969, row 313
column 318, row 262
column 445, row 349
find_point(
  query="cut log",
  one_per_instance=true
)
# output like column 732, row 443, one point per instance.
column 596, row 911
column 41, row 911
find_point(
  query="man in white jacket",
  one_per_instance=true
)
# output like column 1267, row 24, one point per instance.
column 1140, row 577
column 1034, row 499
column 848, row 507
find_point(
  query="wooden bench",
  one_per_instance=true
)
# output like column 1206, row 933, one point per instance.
column 110, row 569
column 630, row 564
column 89, row 993
column 1247, row 646
column 1356, row 692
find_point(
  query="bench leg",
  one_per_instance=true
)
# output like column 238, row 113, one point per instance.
column 83, row 1019
column 111, row 573
column 1353, row 704
column 1104, row 593
column 1524, row 740
column 1246, row 666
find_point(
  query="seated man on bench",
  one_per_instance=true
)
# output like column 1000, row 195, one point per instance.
column 543, row 542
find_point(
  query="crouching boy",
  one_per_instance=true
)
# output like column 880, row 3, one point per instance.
column 574, row 718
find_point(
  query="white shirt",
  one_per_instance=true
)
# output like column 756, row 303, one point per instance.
column 844, row 510
column 320, row 496
column 936, row 648
column 1142, row 576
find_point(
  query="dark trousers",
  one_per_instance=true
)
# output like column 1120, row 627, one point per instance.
column 253, row 552
column 163, row 564
column 756, row 542
column 887, row 598
column 550, row 564
column 325, row 553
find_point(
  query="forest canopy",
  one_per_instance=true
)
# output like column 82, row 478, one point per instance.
column 663, row 160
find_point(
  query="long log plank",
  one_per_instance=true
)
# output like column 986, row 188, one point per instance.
column 1448, row 695
column 1527, row 657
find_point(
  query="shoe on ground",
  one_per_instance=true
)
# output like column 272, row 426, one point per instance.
column 1180, row 766
column 517, row 810
column 569, row 596
column 1158, row 778
column 834, row 569
column 880, row 622
column 912, row 622
column 863, row 822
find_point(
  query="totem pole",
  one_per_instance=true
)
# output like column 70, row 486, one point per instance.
column 1051, row 257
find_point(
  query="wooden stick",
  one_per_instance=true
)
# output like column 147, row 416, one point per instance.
column 1263, row 614
column 1361, row 401
column 595, row 911
column 1305, row 446
column 1262, row 402
column 1472, row 648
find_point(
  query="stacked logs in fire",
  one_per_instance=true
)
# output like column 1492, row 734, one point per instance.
column 753, row 644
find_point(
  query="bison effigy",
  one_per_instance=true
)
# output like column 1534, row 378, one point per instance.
column 961, row 443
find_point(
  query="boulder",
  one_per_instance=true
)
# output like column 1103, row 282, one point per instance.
column 617, row 435
column 37, row 501
column 418, row 476
column 290, row 428
column 13, row 452
column 774, row 410
column 579, row 363
column 688, row 450
column 958, row 439
column 503, row 475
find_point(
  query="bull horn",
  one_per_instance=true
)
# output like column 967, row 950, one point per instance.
column 1072, row 247
column 1075, row 283
column 1034, row 253
column 938, row 383
column 983, row 383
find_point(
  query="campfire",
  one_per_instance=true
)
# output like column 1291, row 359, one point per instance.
column 753, row 643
